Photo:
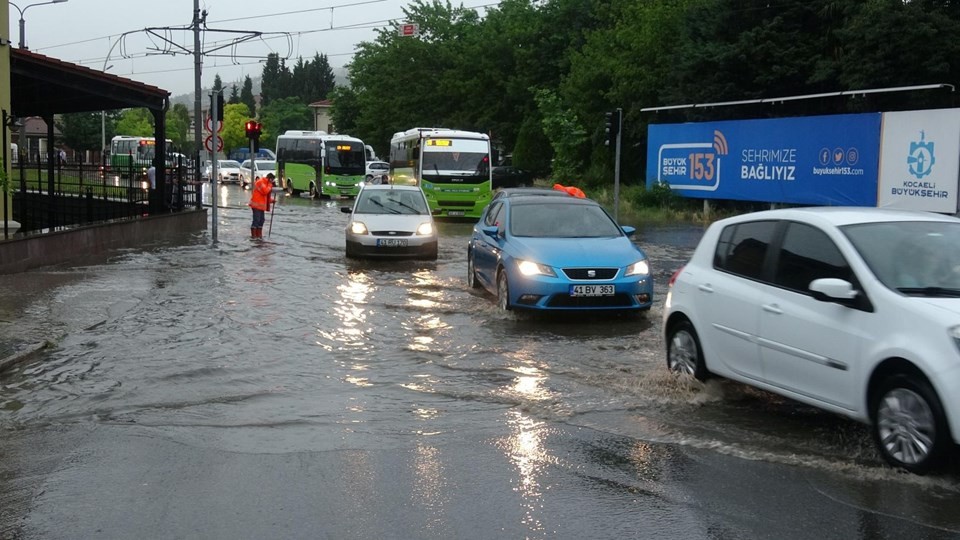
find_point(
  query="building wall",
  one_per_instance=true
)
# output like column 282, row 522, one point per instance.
column 322, row 120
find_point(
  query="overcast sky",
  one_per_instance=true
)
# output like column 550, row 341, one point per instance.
column 85, row 32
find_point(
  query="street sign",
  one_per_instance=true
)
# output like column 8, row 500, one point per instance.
column 409, row 29
column 209, row 124
column 208, row 143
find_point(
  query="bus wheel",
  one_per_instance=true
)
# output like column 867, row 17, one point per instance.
column 313, row 191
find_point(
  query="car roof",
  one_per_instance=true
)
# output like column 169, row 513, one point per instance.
column 540, row 199
column 530, row 191
column 388, row 187
column 839, row 216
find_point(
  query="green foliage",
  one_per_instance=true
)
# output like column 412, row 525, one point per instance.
column 281, row 115
column 533, row 151
column 308, row 81
column 135, row 122
column 81, row 131
column 234, row 126
column 562, row 129
column 178, row 123
column 246, row 95
column 234, row 95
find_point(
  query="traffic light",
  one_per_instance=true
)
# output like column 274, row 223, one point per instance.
column 220, row 106
column 612, row 127
column 251, row 128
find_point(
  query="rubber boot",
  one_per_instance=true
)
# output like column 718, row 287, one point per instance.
column 253, row 232
column 259, row 232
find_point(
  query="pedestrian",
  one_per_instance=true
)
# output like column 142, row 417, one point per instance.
column 152, row 176
column 62, row 156
column 260, row 201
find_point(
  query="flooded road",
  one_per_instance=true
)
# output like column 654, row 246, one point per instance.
column 265, row 350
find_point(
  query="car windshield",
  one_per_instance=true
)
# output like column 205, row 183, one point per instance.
column 391, row 201
column 266, row 165
column 229, row 165
column 561, row 221
column 915, row 258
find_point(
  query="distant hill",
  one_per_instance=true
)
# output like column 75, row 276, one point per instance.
column 339, row 74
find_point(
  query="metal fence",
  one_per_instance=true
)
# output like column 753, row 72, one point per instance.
column 82, row 193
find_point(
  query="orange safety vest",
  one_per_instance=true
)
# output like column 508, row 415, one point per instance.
column 572, row 190
column 260, row 198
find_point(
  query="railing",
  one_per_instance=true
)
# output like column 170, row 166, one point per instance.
column 82, row 193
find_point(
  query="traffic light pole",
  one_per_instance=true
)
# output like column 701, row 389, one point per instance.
column 616, row 167
column 214, row 176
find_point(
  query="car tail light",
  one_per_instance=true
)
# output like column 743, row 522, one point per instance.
column 673, row 278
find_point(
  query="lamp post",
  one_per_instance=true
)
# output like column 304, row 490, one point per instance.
column 23, row 23
column 103, row 118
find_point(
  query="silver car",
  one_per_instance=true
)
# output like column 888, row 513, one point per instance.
column 390, row 221
column 228, row 171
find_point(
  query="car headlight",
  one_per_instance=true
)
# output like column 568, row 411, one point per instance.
column 955, row 334
column 529, row 268
column 639, row 268
column 425, row 229
column 357, row 227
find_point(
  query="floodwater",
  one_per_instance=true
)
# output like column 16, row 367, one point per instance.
column 298, row 349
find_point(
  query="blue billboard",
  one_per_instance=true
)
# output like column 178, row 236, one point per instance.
column 818, row 160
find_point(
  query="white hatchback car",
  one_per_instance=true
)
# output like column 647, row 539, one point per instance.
column 377, row 172
column 852, row 310
column 390, row 221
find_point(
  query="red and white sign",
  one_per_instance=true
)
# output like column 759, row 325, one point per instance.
column 208, row 143
column 209, row 124
column 409, row 29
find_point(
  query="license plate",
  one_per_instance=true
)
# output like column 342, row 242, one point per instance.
column 592, row 290
column 455, row 212
column 391, row 242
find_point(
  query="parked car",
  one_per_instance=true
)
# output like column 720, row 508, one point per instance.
column 524, row 191
column 390, row 221
column 557, row 253
column 507, row 176
column 852, row 310
column 228, row 171
column 377, row 172
column 263, row 167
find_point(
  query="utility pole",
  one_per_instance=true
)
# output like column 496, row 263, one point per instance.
column 614, row 125
column 197, row 109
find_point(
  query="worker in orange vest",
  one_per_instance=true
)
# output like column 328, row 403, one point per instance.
column 260, row 201
column 572, row 190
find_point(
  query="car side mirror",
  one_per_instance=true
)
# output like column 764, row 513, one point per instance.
column 346, row 209
column 492, row 232
column 628, row 230
column 840, row 291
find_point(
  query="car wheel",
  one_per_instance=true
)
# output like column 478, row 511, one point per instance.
column 684, row 355
column 503, row 291
column 909, row 426
column 313, row 191
column 350, row 253
column 472, row 280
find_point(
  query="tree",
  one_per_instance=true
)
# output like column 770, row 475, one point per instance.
column 246, row 95
column 234, row 95
column 177, row 124
column 135, row 122
column 217, row 84
column 234, row 126
column 80, row 131
column 282, row 115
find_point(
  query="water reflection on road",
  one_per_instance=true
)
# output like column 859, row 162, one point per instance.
column 297, row 349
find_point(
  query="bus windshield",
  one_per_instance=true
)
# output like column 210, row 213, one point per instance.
column 344, row 157
column 464, row 157
column 299, row 150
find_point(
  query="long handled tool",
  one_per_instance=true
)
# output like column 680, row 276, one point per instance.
column 272, row 212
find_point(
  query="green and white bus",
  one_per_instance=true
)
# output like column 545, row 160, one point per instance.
column 321, row 164
column 452, row 167
column 138, row 151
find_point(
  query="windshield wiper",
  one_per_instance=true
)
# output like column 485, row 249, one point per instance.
column 381, row 205
column 941, row 292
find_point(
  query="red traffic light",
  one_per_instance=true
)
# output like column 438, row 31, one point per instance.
column 253, row 129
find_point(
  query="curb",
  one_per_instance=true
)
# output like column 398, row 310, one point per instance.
column 22, row 355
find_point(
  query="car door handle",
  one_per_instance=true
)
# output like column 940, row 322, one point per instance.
column 706, row 287
column 773, row 308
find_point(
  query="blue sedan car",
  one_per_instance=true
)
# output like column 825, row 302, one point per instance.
column 557, row 253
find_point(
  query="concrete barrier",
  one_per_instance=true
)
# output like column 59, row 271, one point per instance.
column 60, row 247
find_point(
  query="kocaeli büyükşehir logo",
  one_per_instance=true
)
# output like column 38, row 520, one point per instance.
column 921, row 158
